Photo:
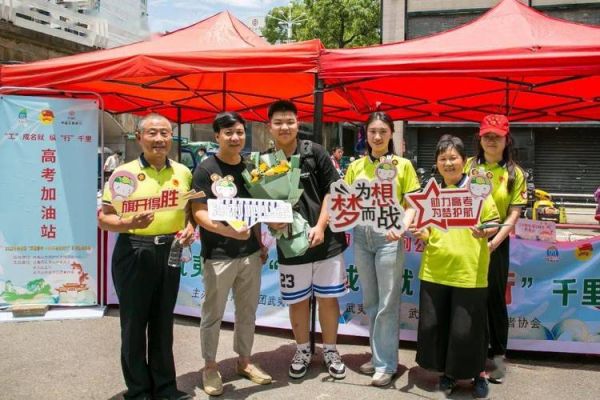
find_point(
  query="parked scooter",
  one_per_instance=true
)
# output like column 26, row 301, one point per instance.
column 539, row 202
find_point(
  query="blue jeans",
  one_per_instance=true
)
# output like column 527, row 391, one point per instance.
column 379, row 264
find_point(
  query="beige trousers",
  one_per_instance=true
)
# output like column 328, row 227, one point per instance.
column 242, row 276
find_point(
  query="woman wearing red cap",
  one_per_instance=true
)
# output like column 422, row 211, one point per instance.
column 495, row 154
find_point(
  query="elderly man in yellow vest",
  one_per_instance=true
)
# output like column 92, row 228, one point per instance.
column 145, row 284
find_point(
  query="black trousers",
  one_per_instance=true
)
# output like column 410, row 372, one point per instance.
column 452, row 336
column 147, row 290
column 497, row 312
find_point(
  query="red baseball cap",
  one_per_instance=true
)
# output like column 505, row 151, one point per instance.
column 494, row 123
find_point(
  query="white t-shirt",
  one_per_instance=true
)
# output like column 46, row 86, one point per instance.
column 112, row 162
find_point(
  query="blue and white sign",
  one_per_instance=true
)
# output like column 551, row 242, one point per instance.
column 48, row 159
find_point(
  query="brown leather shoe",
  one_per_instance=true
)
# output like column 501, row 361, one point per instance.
column 211, row 380
column 255, row 374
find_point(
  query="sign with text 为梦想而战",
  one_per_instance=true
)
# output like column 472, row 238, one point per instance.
column 48, row 152
column 536, row 230
column 249, row 211
column 446, row 208
column 364, row 203
column 368, row 202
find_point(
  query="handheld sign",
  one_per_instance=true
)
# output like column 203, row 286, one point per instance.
column 171, row 199
column 249, row 211
column 239, row 213
column 123, row 184
column 367, row 203
column 448, row 208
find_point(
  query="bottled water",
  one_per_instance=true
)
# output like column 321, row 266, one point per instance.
column 178, row 254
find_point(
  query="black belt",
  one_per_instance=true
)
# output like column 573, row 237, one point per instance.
column 154, row 239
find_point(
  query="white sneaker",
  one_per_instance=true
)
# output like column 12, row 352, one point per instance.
column 299, row 364
column 367, row 368
column 335, row 365
column 381, row 379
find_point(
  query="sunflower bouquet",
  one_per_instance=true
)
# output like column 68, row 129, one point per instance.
column 274, row 177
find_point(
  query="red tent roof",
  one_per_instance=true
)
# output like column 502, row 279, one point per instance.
column 512, row 58
column 214, row 65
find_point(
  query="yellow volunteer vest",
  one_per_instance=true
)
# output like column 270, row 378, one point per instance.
column 456, row 258
column 502, row 197
column 406, row 178
column 140, row 179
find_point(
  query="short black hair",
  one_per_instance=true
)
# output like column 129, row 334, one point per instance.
column 447, row 142
column 227, row 119
column 336, row 148
column 202, row 148
column 281, row 106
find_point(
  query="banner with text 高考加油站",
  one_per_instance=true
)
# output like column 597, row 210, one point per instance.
column 48, row 155
column 553, row 294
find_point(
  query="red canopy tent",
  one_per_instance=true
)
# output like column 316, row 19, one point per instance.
column 512, row 59
column 190, row 74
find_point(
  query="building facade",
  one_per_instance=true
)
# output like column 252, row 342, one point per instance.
column 563, row 157
column 89, row 23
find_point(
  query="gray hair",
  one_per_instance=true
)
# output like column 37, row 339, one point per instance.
column 146, row 118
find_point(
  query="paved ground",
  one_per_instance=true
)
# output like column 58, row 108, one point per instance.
column 79, row 359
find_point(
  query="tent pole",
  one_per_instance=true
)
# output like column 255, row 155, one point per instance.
column 224, row 102
column 318, row 111
column 178, row 134
column 318, row 138
column 506, row 105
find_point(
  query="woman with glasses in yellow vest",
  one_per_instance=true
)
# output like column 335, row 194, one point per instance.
column 379, row 257
column 509, row 190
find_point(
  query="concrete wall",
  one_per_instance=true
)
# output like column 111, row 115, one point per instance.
column 426, row 17
column 393, row 20
column 24, row 45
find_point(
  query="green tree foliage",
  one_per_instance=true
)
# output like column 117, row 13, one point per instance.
column 338, row 23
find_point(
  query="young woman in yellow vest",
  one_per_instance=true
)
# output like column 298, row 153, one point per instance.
column 509, row 190
column 452, row 334
column 379, row 257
